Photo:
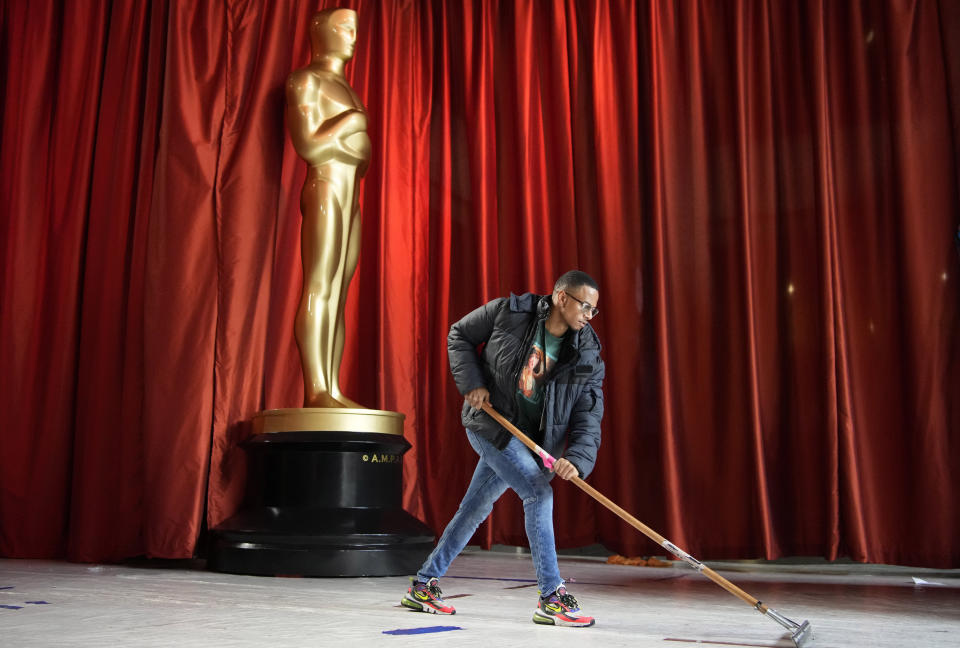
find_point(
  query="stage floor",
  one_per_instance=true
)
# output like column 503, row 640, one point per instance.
column 180, row 604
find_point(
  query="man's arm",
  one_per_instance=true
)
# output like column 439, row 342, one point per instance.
column 585, row 424
column 465, row 336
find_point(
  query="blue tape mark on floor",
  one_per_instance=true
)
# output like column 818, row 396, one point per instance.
column 3, row 587
column 37, row 603
column 427, row 630
column 11, row 607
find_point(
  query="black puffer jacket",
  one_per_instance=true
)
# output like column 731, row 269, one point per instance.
column 573, row 396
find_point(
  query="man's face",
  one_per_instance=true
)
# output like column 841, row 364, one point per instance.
column 577, row 313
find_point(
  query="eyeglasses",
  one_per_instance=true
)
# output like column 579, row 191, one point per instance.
column 586, row 307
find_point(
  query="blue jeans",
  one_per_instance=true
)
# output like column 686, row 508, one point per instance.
column 515, row 467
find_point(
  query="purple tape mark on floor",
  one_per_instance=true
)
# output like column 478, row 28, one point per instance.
column 427, row 630
column 37, row 603
column 11, row 607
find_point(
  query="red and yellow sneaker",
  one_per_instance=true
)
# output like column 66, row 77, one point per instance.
column 560, row 608
column 426, row 597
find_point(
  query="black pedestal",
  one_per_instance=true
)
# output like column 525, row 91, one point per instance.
column 322, row 504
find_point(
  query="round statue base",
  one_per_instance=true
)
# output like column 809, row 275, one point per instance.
column 326, row 419
column 322, row 502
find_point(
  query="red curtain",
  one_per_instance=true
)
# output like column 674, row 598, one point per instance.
column 766, row 191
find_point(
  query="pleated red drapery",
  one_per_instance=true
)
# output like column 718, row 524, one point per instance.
column 766, row 192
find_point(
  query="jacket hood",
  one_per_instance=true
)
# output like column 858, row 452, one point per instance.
column 530, row 302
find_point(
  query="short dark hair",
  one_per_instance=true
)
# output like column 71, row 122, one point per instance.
column 573, row 279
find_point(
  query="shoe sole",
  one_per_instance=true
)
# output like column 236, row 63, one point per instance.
column 543, row 619
column 420, row 607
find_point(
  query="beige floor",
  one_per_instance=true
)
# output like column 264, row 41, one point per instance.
column 161, row 604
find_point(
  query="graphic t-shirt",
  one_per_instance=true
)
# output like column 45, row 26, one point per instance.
column 541, row 359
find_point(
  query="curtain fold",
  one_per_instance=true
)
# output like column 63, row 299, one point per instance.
column 766, row 191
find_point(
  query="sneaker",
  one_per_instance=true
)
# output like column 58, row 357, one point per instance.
column 560, row 608
column 426, row 597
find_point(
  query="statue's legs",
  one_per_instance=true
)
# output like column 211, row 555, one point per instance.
column 325, row 240
column 351, row 258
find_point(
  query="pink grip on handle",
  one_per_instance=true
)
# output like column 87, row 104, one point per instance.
column 548, row 461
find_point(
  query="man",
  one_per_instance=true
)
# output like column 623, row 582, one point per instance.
column 540, row 367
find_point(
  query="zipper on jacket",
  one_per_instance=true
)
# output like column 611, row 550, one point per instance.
column 543, row 416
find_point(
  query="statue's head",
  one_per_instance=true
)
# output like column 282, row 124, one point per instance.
column 333, row 32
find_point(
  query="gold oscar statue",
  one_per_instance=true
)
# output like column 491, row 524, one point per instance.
column 324, row 481
column 328, row 125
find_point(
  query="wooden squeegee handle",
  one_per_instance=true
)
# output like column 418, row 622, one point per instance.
column 548, row 461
